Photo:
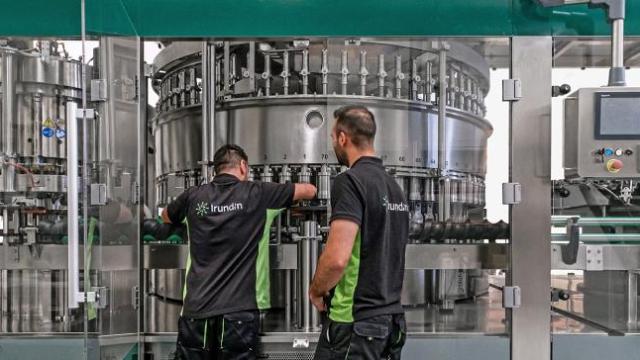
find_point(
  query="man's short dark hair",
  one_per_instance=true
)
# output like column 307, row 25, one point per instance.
column 228, row 156
column 357, row 122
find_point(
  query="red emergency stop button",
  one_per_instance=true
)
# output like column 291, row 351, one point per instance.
column 614, row 166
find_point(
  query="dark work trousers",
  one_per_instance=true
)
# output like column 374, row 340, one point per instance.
column 379, row 337
column 223, row 337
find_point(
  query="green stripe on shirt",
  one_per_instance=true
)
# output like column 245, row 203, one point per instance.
column 342, row 302
column 263, row 283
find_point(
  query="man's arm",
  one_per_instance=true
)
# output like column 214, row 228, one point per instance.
column 333, row 261
column 304, row 192
column 176, row 211
column 165, row 216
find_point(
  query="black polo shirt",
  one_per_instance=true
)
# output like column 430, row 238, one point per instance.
column 372, row 282
column 228, row 225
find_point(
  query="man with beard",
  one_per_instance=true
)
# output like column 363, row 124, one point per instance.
column 361, row 269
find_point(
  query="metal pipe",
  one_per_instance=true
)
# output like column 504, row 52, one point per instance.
column 266, row 75
column 617, row 43
column 344, row 71
column 561, row 220
column 632, row 299
column 324, row 183
column 251, row 64
column 428, row 81
column 570, row 315
column 285, row 72
column 73, row 189
column 442, row 109
column 325, row 71
column 444, row 199
column 616, row 73
column 382, row 74
column 208, row 107
column 226, row 64
column 308, row 250
column 415, row 80
column 599, row 238
column 8, row 102
column 305, row 71
column 399, row 77
column 363, row 73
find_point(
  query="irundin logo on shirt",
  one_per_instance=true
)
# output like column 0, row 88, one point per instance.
column 226, row 208
column 204, row 209
column 394, row 206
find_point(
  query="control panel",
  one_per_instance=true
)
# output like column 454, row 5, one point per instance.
column 602, row 133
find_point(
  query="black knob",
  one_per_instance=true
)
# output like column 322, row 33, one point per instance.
column 563, row 89
column 564, row 192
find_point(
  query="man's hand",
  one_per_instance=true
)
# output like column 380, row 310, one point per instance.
column 317, row 301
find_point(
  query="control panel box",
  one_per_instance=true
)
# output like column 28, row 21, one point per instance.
column 602, row 133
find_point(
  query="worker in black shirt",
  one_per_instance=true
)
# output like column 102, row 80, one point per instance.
column 361, row 269
column 228, row 222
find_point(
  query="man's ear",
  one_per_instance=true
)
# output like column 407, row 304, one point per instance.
column 342, row 138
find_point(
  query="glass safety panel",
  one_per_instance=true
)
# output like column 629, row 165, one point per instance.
column 276, row 99
column 596, row 217
column 41, row 92
column 442, row 134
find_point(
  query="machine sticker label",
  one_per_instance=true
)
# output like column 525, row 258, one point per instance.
column 48, row 127
column 48, row 123
column 47, row 132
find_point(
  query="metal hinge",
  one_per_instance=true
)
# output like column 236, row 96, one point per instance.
column 511, row 193
column 511, row 90
column 135, row 297
column 89, row 114
column 98, row 90
column 98, row 194
column 511, row 297
column 101, row 296
column 149, row 69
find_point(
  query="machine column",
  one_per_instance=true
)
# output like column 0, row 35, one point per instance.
column 530, row 157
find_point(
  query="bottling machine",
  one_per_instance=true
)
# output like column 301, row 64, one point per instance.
column 88, row 161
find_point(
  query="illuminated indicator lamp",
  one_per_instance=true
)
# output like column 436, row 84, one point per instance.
column 614, row 166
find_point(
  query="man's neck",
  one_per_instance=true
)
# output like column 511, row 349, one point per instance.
column 231, row 172
column 353, row 158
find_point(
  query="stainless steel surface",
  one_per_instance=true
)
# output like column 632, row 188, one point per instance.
column 54, row 257
column 530, row 139
column 455, row 257
column 418, row 256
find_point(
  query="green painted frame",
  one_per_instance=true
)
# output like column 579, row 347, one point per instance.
column 289, row 18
